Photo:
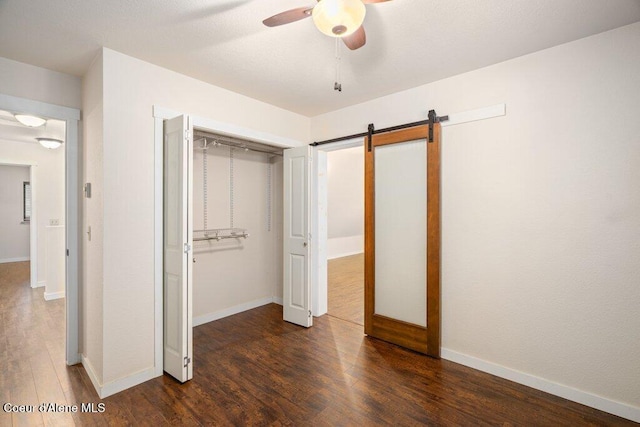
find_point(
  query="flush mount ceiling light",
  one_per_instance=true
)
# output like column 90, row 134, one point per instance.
column 30, row 121
column 50, row 143
column 338, row 18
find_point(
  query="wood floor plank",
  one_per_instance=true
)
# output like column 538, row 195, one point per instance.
column 255, row 369
column 345, row 283
column 48, row 389
column 5, row 417
column 22, row 391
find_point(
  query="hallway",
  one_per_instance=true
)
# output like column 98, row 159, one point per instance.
column 32, row 336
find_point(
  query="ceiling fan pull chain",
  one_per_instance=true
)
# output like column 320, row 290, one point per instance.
column 337, row 85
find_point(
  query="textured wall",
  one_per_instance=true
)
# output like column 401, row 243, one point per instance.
column 540, row 210
column 345, row 202
column 14, row 243
column 234, row 272
column 92, row 302
column 131, row 89
column 39, row 84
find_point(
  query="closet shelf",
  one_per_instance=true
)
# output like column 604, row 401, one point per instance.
column 220, row 234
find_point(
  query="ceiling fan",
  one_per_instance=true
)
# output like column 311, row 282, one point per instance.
column 335, row 18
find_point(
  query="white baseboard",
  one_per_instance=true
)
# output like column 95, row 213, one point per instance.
column 88, row 367
column 48, row 296
column 277, row 300
column 210, row 317
column 40, row 284
column 18, row 259
column 118, row 385
column 127, row 382
column 598, row 402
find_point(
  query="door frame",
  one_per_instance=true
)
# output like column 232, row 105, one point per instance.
column 319, row 228
column 71, row 117
column 159, row 115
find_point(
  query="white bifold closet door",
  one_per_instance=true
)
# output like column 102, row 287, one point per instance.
column 177, row 269
column 296, row 299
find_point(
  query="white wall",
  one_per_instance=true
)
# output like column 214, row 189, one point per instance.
column 236, row 273
column 54, row 249
column 39, row 84
column 91, row 296
column 540, row 212
column 345, row 202
column 48, row 189
column 131, row 88
column 14, row 243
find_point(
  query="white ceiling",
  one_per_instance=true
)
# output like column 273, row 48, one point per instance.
column 409, row 42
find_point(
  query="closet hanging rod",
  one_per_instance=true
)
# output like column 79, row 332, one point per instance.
column 218, row 141
column 220, row 234
column 234, row 236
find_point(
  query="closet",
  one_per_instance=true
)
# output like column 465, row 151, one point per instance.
column 237, row 225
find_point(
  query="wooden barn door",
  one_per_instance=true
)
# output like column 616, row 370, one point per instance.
column 402, row 238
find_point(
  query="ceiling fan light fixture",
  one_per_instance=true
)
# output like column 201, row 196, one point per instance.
column 50, row 143
column 30, row 121
column 338, row 18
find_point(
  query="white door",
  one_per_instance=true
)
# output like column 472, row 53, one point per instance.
column 297, row 286
column 178, row 152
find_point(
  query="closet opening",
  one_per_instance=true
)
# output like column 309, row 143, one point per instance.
column 237, row 226
column 223, row 197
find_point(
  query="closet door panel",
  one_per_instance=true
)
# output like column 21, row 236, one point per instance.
column 177, row 270
column 297, row 286
column 297, row 205
column 297, row 280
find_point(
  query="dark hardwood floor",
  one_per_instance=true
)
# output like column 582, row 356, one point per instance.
column 345, row 277
column 255, row 369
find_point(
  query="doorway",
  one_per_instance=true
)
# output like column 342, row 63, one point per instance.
column 32, row 259
column 232, row 225
column 33, row 201
column 345, row 234
column 410, row 179
column 345, row 243
column 66, row 237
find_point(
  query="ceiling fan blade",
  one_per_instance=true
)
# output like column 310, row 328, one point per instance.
column 356, row 40
column 373, row 1
column 288, row 16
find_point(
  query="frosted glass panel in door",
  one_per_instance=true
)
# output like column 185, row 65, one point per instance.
column 400, row 231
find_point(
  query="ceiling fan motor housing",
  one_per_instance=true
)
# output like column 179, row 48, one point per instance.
column 339, row 18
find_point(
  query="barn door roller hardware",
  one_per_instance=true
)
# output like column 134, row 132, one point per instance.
column 432, row 119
